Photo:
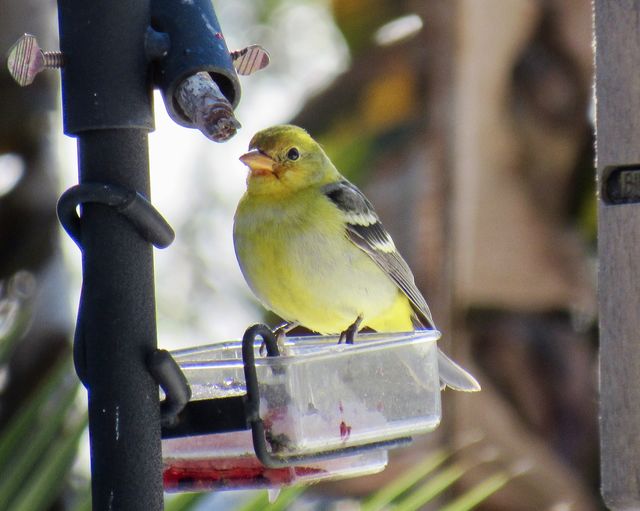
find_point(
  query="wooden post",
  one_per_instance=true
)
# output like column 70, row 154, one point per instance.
column 617, row 25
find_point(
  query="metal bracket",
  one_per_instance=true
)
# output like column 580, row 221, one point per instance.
column 167, row 373
column 136, row 208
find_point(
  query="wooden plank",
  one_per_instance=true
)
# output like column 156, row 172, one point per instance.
column 617, row 29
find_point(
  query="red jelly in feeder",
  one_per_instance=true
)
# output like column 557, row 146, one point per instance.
column 226, row 462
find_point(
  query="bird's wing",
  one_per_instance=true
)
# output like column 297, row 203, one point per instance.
column 364, row 229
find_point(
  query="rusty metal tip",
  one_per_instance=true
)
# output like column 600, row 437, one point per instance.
column 223, row 129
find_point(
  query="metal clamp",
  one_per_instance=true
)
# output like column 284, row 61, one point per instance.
column 167, row 373
column 131, row 204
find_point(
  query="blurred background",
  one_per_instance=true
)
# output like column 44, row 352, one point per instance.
column 468, row 124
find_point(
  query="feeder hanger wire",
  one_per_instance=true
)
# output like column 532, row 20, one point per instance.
column 112, row 52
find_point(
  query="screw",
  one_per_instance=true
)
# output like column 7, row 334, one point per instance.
column 250, row 59
column 26, row 60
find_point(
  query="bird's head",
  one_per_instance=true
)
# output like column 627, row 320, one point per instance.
column 284, row 159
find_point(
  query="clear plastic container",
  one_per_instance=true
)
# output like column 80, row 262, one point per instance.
column 320, row 395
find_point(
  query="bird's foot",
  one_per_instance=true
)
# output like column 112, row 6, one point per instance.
column 349, row 335
column 281, row 335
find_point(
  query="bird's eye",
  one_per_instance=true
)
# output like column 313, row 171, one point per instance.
column 293, row 154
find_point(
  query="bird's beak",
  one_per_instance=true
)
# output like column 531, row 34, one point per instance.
column 258, row 162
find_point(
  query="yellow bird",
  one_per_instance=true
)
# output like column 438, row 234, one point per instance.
column 313, row 250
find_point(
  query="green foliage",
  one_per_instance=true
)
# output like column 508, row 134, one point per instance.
column 480, row 492
column 182, row 501
column 417, row 486
column 38, row 445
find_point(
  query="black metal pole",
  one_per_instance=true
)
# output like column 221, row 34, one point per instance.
column 107, row 106
column 118, row 331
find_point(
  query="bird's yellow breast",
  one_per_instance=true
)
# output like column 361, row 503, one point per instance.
column 295, row 256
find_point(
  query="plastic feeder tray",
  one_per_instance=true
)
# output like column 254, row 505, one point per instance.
column 317, row 397
column 226, row 461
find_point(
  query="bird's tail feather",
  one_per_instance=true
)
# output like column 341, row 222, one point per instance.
column 454, row 376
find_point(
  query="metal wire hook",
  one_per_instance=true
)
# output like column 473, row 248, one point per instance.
column 131, row 204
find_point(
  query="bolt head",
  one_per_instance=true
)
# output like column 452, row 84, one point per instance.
column 25, row 60
column 250, row 59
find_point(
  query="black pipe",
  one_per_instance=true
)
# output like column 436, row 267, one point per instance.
column 118, row 332
column 195, row 44
column 105, row 79
column 107, row 106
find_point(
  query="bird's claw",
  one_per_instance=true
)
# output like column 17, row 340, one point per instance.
column 281, row 336
column 348, row 336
